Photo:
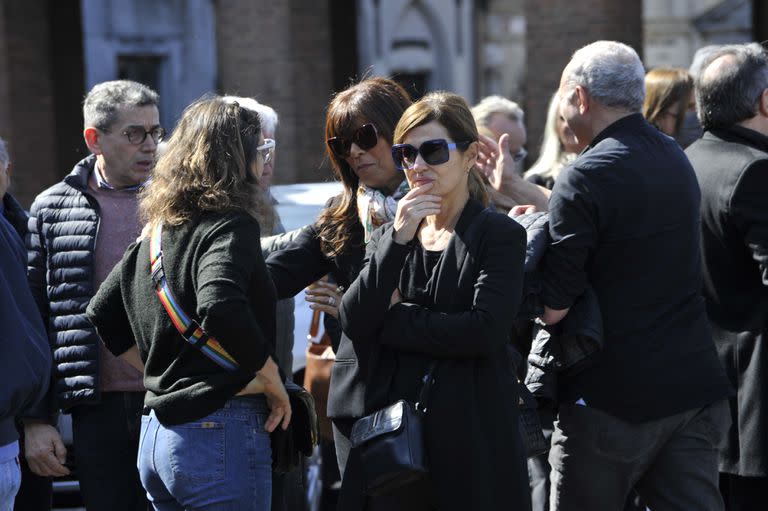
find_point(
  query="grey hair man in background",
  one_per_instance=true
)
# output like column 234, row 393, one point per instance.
column 501, row 125
column 649, row 408
column 731, row 164
column 498, row 116
column 78, row 230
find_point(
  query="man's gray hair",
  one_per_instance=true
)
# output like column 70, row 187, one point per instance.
column 267, row 115
column 105, row 101
column 611, row 72
column 489, row 105
column 731, row 92
column 5, row 159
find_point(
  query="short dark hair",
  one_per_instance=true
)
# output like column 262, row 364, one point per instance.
column 105, row 100
column 733, row 94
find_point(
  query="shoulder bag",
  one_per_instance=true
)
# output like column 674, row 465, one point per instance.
column 391, row 442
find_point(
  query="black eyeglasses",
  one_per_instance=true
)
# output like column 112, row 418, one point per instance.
column 434, row 152
column 137, row 134
column 365, row 137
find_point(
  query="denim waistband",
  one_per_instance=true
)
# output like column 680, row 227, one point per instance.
column 9, row 451
column 256, row 402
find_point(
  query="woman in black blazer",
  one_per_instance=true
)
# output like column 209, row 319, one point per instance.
column 359, row 126
column 443, row 283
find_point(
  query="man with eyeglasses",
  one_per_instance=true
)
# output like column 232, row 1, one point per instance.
column 78, row 230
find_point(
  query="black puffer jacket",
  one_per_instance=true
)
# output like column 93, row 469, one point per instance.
column 63, row 223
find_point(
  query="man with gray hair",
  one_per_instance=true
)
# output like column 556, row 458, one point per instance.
column 501, row 116
column 731, row 164
column 647, row 410
column 78, row 230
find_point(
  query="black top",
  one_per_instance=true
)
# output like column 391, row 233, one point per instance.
column 417, row 285
column 624, row 217
column 294, row 268
column 216, row 272
column 731, row 165
column 472, row 440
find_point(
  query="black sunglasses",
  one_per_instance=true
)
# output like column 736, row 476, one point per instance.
column 434, row 152
column 365, row 137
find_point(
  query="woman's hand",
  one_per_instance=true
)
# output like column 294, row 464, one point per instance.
column 522, row 209
column 412, row 209
column 277, row 397
column 396, row 297
column 325, row 296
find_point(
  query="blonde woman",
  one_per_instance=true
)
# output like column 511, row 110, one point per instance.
column 558, row 149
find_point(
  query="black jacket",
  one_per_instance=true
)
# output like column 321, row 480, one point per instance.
column 732, row 168
column 63, row 223
column 25, row 357
column 295, row 267
column 472, row 440
column 568, row 346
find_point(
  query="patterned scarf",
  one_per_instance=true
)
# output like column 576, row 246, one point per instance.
column 375, row 209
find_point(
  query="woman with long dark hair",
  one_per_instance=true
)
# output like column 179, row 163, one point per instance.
column 359, row 127
column 210, row 406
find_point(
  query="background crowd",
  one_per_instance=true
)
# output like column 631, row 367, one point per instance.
column 623, row 278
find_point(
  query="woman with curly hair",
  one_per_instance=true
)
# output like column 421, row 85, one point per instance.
column 204, row 440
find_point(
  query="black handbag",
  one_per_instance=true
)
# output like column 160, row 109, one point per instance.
column 391, row 443
column 301, row 437
column 531, row 432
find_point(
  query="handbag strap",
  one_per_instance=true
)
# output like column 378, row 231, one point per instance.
column 189, row 329
column 426, row 387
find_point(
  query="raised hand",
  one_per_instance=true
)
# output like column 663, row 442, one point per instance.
column 416, row 205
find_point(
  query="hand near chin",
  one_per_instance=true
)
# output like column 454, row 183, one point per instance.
column 416, row 205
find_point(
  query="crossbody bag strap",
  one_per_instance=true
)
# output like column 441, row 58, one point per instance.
column 189, row 329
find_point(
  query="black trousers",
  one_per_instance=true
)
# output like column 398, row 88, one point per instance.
column 744, row 493
column 36, row 492
column 672, row 462
column 106, row 444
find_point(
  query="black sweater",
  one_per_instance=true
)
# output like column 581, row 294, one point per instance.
column 217, row 274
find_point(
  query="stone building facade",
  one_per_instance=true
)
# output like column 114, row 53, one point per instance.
column 293, row 54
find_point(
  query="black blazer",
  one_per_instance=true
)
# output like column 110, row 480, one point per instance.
column 472, row 438
column 732, row 168
column 301, row 263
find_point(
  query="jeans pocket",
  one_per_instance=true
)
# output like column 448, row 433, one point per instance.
column 196, row 450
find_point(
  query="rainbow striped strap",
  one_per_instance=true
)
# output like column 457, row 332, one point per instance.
column 189, row 329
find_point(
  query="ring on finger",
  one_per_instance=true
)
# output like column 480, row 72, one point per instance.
column 331, row 301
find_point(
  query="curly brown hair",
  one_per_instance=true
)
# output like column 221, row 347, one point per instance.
column 207, row 167
column 380, row 101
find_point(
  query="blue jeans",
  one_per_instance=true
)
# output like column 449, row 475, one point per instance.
column 220, row 462
column 10, row 480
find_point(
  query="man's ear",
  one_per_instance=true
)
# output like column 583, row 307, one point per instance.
column 92, row 138
column 583, row 99
column 763, row 106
